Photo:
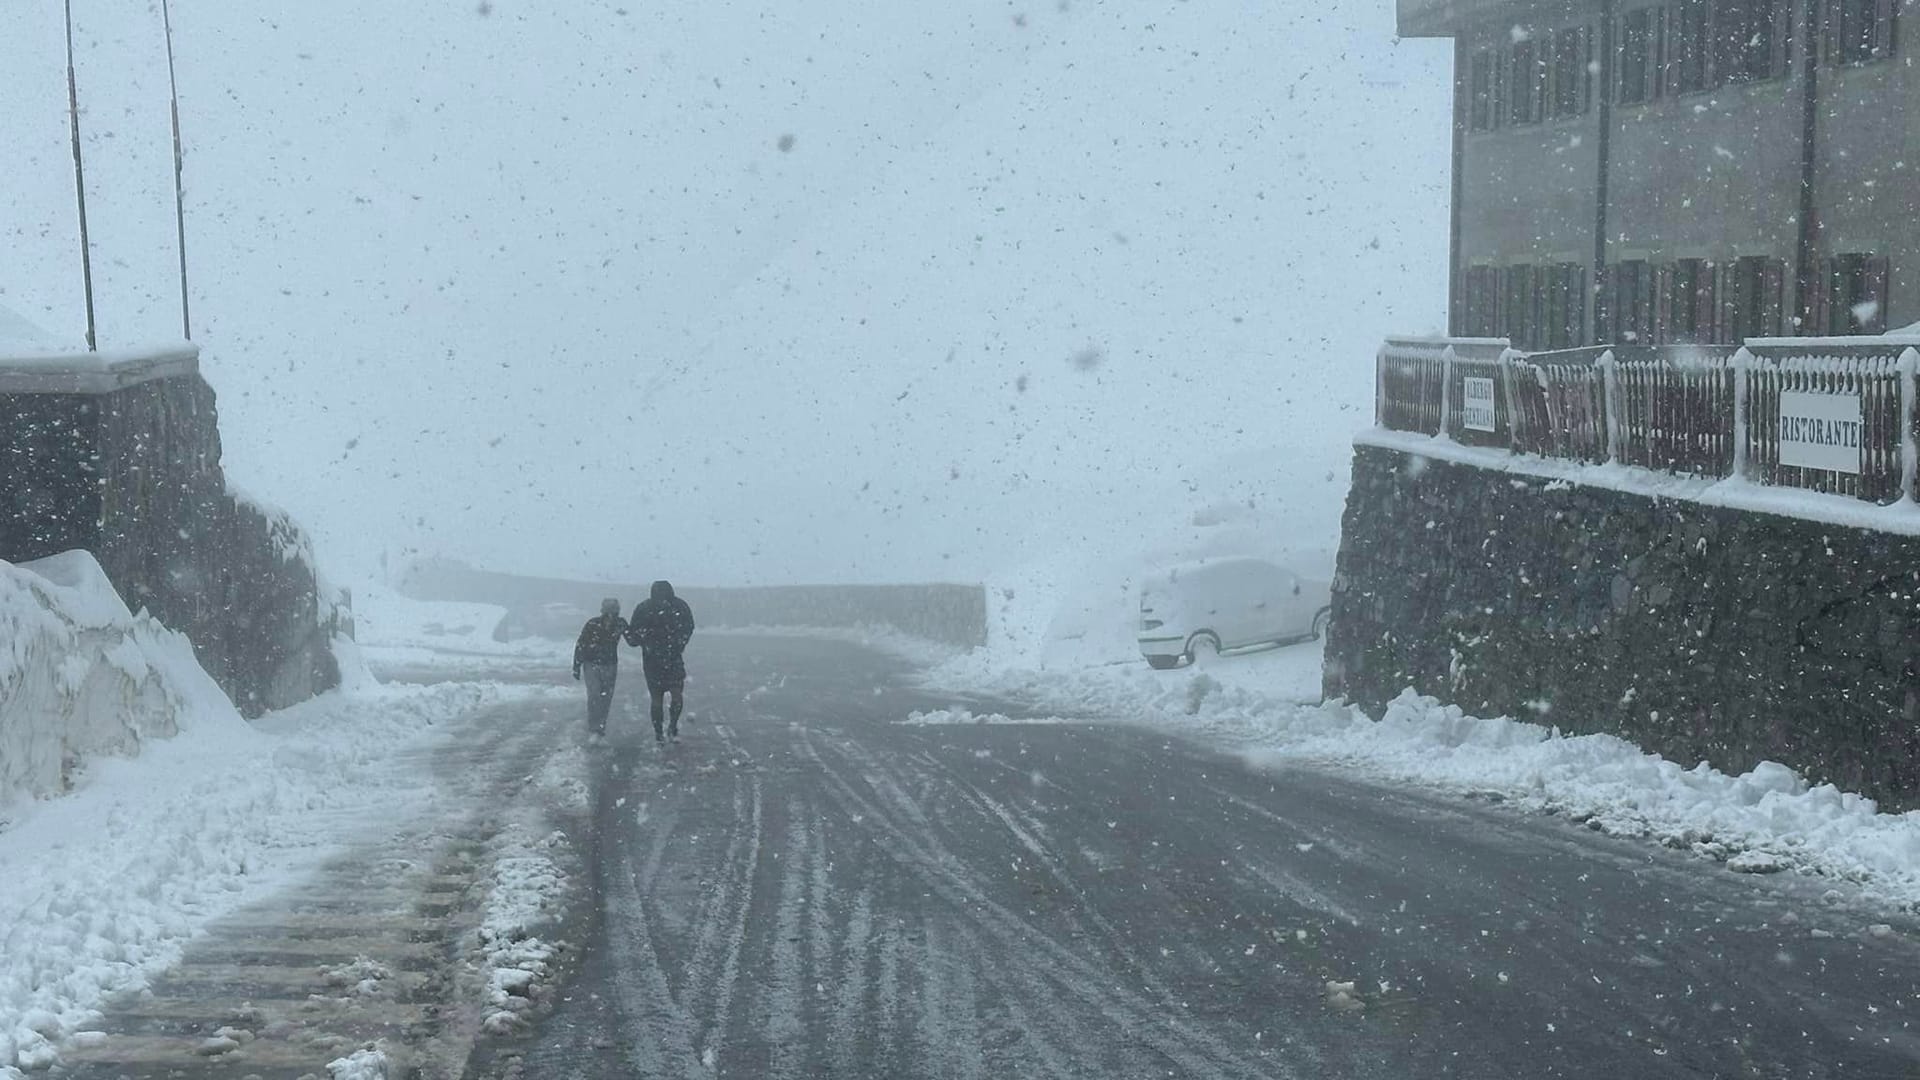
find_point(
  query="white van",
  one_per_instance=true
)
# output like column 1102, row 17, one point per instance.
column 1223, row 605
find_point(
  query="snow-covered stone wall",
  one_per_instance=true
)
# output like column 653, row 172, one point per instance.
column 81, row 676
column 122, row 459
column 1699, row 632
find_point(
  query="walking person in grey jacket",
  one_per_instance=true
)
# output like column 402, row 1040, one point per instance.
column 597, row 656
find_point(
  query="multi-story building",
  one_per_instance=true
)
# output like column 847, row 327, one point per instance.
column 1687, row 171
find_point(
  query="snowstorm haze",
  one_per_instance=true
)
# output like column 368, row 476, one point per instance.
column 848, row 290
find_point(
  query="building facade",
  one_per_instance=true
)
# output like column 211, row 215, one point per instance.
column 1686, row 171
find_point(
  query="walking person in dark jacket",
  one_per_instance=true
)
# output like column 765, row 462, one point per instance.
column 597, row 656
column 661, row 626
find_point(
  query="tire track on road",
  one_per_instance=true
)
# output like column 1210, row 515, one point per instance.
column 1192, row 1051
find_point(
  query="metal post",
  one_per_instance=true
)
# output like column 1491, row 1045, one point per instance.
column 1516, row 417
column 1380, row 387
column 1609, row 398
column 1742, row 366
column 1446, row 394
column 179, row 174
column 80, row 183
column 1909, row 439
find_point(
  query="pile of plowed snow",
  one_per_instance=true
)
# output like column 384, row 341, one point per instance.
column 81, row 676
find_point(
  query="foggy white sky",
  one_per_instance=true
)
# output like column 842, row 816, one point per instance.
column 545, row 291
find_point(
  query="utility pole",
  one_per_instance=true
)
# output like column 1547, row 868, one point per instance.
column 80, row 182
column 179, row 174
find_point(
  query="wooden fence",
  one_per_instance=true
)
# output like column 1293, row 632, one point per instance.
column 1710, row 411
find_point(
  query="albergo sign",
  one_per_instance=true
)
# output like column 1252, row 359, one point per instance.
column 1820, row 431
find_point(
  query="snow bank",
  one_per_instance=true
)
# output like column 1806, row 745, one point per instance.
column 1767, row 819
column 82, row 677
column 397, row 630
column 1078, row 605
column 105, row 886
column 943, row 717
column 365, row 1064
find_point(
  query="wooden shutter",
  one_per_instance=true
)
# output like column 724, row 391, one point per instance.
column 1587, row 78
column 1669, row 49
column 1497, row 89
column 1662, row 331
column 1820, row 305
column 1833, row 30
column 1550, row 42
column 1721, row 301
column 1658, row 53
column 1782, row 13
column 1701, row 303
column 1577, row 293
column 1773, row 289
column 1502, row 302
column 1879, row 277
column 1603, row 306
column 1884, row 14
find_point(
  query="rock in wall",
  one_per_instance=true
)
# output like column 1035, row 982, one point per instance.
column 1697, row 632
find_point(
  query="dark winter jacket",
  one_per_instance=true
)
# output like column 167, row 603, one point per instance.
column 599, row 641
column 661, row 626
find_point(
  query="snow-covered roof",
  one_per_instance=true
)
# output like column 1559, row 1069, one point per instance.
column 55, row 371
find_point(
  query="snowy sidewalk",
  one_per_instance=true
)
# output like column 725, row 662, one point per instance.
column 1768, row 820
column 108, row 884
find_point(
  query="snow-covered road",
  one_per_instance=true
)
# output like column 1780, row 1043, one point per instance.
column 808, row 887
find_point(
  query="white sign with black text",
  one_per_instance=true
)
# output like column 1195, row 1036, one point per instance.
column 1820, row 431
column 1476, row 404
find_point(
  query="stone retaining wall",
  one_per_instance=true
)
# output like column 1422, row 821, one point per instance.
column 132, row 474
column 1700, row 633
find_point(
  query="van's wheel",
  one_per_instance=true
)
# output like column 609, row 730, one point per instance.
column 1320, row 621
column 1202, row 648
column 1163, row 663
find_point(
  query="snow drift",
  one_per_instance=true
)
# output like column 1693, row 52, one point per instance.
column 81, row 676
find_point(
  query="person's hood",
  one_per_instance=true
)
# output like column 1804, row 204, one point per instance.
column 662, row 591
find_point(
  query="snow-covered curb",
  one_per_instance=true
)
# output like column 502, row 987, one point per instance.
column 525, row 892
column 528, row 888
column 1768, row 819
column 104, row 887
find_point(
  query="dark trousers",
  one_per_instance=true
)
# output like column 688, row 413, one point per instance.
column 660, row 711
column 599, row 679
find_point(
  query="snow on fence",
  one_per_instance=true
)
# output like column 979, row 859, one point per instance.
column 1837, row 416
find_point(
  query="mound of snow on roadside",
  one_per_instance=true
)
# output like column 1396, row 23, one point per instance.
column 1766, row 819
column 395, row 630
column 81, row 677
column 1079, row 605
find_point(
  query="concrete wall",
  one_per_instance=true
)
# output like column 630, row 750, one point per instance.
column 1529, row 193
column 132, row 474
column 1709, row 175
column 1867, row 183
column 950, row 614
column 1700, row 634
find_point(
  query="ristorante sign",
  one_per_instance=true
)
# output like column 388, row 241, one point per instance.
column 1820, row 431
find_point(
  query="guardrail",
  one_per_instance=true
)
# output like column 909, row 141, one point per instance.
column 1833, row 415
